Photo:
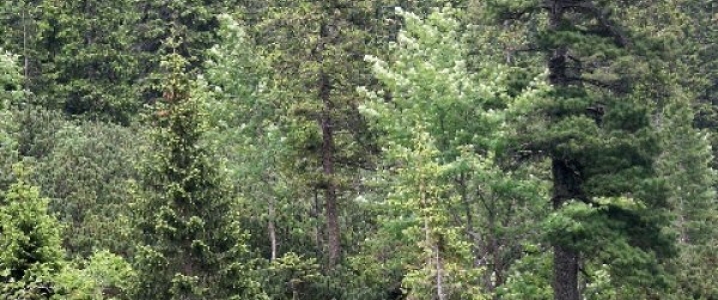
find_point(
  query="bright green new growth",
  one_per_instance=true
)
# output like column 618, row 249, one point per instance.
column 441, row 128
column 32, row 253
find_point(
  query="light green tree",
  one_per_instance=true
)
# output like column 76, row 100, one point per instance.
column 447, row 199
column 31, row 240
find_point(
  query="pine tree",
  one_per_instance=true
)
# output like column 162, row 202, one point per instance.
column 317, row 50
column 595, row 127
column 686, row 164
column 446, row 200
column 190, row 247
column 25, row 33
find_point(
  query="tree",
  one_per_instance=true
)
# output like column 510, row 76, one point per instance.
column 190, row 246
column 594, row 125
column 317, row 49
column 32, row 253
column 92, row 64
column 447, row 200
column 11, row 81
column 87, row 176
column 686, row 165
column 25, row 33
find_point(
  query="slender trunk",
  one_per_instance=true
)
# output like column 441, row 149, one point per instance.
column 272, row 230
column 439, row 273
column 325, row 122
column 683, row 234
column 565, row 272
column 24, row 48
column 318, row 234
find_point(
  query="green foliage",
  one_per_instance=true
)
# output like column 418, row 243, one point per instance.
column 10, row 80
column 291, row 277
column 87, row 175
column 686, row 165
column 93, row 65
column 32, row 252
column 440, row 132
column 191, row 246
column 102, row 276
column 447, row 149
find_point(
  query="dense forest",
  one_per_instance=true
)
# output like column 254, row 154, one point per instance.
column 358, row 149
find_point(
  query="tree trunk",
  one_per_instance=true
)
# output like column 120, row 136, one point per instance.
column 330, row 193
column 566, row 182
column 272, row 230
column 565, row 274
column 439, row 273
column 566, row 186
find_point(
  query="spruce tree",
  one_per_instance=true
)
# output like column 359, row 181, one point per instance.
column 92, row 64
column 190, row 247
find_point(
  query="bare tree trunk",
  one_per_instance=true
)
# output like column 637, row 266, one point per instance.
column 566, row 260
column 26, row 60
column 439, row 273
column 272, row 230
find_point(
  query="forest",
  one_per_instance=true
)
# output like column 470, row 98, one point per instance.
column 358, row 149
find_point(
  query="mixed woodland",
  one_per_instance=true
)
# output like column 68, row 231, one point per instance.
column 358, row 149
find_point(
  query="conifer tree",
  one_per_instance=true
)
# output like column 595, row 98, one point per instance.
column 92, row 64
column 317, row 50
column 594, row 124
column 190, row 246
column 446, row 203
column 32, row 253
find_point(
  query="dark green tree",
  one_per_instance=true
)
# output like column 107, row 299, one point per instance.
column 190, row 246
column 594, row 123
column 317, row 50
column 92, row 64
column 87, row 176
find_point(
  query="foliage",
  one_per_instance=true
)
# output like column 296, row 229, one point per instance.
column 190, row 247
column 440, row 132
column 358, row 150
column 87, row 175
column 32, row 253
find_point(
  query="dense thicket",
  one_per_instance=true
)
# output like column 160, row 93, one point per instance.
column 383, row 149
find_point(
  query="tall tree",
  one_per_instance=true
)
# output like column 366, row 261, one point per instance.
column 190, row 246
column 447, row 202
column 25, row 24
column 595, row 127
column 317, row 49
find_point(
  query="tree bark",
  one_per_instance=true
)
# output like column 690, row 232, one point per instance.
column 441, row 294
column 272, row 230
column 325, row 122
column 566, row 181
column 566, row 186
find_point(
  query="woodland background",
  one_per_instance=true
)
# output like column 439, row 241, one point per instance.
column 385, row 149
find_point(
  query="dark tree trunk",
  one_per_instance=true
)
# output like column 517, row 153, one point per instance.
column 566, row 186
column 330, row 193
column 566, row 180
